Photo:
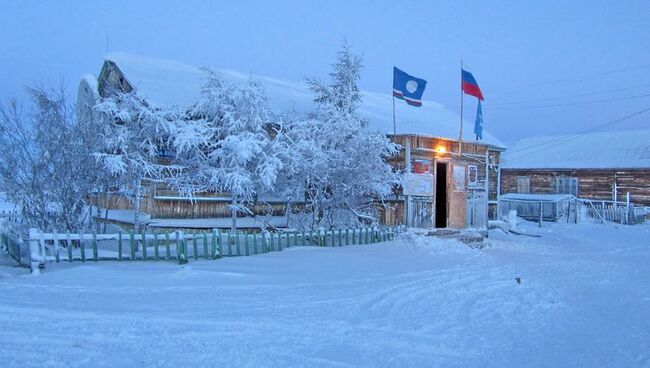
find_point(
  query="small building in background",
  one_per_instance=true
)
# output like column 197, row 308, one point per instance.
column 603, row 167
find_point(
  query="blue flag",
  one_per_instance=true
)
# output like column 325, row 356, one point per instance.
column 408, row 88
column 478, row 124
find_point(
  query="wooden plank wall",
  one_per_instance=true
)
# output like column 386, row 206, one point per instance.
column 452, row 146
column 592, row 184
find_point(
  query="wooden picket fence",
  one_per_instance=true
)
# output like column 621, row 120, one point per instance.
column 183, row 246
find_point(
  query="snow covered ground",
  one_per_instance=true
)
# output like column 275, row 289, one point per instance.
column 583, row 301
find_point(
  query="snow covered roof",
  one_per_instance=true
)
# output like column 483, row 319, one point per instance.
column 166, row 82
column 602, row 150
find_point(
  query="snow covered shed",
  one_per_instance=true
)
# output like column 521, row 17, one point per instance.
column 460, row 184
column 598, row 166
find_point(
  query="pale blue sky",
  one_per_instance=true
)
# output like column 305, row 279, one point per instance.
column 527, row 57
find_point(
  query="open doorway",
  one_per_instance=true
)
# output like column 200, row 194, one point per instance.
column 441, row 194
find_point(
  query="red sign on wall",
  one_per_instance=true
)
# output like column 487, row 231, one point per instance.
column 421, row 167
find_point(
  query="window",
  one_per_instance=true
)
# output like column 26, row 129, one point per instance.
column 523, row 184
column 472, row 176
column 566, row 185
column 459, row 178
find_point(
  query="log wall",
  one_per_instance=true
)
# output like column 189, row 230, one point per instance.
column 592, row 184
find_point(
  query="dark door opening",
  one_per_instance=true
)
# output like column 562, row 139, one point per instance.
column 441, row 194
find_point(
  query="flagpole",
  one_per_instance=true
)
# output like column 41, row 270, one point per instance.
column 394, row 124
column 460, row 133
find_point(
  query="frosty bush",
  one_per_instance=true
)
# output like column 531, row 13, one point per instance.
column 224, row 143
column 46, row 162
column 342, row 163
column 132, row 135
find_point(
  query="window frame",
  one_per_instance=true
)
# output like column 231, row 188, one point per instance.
column 567, row 185
column 523, row 179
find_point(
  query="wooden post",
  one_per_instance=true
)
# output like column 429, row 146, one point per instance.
column 144, row 246
column 254, row 243
column 219, row 243
column 213, row 246
column 237, row 242
column 627, row 208
column 540, row 214
column 156, row 252
column 229, row 240
column 82, row 249
column 168, row 253
column 56, row 246
column 195, row 246
column 407, row 166
column 132, row 243
column 69, row 244
column 487, row 191
column 460, row 131
column 95, row 255
column 265, row 248
column 271, row 241
column 34, row 252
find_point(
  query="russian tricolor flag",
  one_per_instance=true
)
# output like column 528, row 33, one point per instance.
column 470, row 86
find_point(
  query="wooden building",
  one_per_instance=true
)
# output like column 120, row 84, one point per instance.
column 460, row 185
column 464, row 188
column 600, row 166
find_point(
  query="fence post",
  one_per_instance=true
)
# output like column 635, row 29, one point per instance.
column 69, row 243
column 540, row 214
column 95, row 255
column 627, row 208
column 132, row 244
column 144, row 246
column 34, row 264
column 219, row 243
column 265, row 248
column 156, row 253
column 271, row 241
column 213, row 246
column 56, row 246
column 119, row 246
column 195, row 246
column 168, row 253
column 82, row 249
column 205, row 246
column 180, row 248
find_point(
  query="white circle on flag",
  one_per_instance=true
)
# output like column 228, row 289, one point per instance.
column 411, row 86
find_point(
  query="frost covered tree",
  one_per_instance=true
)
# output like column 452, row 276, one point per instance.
column 224, row 144
column 46, row 162
column 342, row 163
column 133, row 135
